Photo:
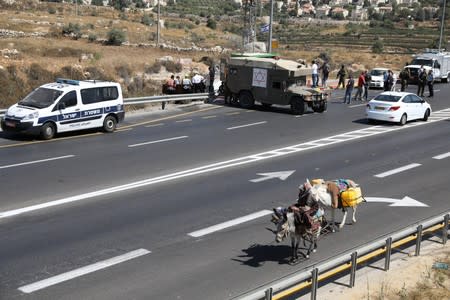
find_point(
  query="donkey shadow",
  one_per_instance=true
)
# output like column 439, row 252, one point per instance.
column 256, row 255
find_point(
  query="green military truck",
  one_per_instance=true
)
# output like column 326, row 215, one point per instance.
column 269, row 80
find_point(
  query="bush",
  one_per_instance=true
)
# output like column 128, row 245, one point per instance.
column 115, row 37
column 147, row 20
column 173, row 67
column 73, row 29
column 38, row 75
column 92, row 37
column 377, row 47
column 153, row 69
column 211, row 24
column 51, row 10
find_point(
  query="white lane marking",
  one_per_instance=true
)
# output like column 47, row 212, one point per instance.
column 159, row 141
column 445, row 155
column 182, row 121
column 398, row 170
column 232, row 113
column 39, row 285
column 247, row 125
column 230, row 223
column 154, row 125
column 214, row 167
column 209, row 117
column 36, row 161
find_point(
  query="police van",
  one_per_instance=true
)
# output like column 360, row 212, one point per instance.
column 67, row 105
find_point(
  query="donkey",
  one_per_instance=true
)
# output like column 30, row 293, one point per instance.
column 287, row 225
column 321, row 193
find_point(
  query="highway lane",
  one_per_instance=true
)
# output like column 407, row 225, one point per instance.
column 48, row 242
column 154, row 148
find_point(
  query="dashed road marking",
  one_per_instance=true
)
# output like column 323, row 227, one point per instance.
column 36, row 161
column 246, row 125
column 158, row 141
column 39, row 285
column 397, row 170
column 442, row 156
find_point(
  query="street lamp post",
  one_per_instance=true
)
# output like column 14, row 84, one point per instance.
column 158, row 29
column 270, row 27
column 442, row 25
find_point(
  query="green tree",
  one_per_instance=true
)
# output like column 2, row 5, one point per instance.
column 115, row 37
column 97, row 2
column 211, row 23
column 377, row 46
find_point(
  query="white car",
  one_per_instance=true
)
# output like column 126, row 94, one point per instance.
column 398, row 107
column 376, row 77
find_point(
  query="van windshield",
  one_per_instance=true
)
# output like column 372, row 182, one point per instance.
column 422, row 62
column 40, row 98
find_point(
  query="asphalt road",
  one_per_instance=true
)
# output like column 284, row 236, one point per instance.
column 131, row 215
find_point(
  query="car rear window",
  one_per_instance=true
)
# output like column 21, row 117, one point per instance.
column 387, row 98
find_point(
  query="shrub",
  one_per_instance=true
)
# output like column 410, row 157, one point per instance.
column 173, row 67
column 377, row 46
column 38, row 75
column 70, row 72
column 211, row 24
column 51, row 10
column 155, row 68
column 115, row 37
column 147, row 20
column 73, row 29
column 92, row 37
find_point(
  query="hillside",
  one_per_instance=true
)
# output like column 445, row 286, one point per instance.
column 43, row 40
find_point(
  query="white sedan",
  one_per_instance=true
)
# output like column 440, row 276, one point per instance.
column 398, row 107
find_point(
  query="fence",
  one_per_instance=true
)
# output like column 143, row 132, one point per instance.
column 349, row 261
column 155, row 99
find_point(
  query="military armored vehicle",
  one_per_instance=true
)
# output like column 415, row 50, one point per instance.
column 269, row 80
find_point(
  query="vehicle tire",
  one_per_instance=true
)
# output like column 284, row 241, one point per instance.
column 246, row 99
column 109, row 124
column 322, row 107
column 298, row 106
column 48, row 131
column 426, row 115
column 403, row 120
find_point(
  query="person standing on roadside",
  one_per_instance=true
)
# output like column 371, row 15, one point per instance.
column 421, row 81
column 430, row 82
column 341, row 75
column 315, row 74
column 404, row 77
column 361, row 82
column 325, row 72
column 349, row 89
column 367, row 79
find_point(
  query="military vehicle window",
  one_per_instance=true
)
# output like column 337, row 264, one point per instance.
column 436, row 65
column 276, row 85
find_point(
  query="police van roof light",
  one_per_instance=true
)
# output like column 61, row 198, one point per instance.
column 68, row 81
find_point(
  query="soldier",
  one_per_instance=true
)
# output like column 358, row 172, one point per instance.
column 341, row 75
column 404, row 77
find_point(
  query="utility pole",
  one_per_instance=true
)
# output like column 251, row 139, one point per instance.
column 270, row 27
column 442, row 25
column 158, row 29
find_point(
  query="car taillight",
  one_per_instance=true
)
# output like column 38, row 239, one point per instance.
column 394, row 108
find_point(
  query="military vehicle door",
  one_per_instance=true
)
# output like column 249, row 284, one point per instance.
column 276, row 89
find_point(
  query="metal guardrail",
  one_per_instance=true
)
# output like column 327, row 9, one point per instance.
column 155, row 99
column 349, row 261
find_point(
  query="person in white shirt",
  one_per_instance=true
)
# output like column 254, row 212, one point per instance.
column 198, row 83
column 315, row 74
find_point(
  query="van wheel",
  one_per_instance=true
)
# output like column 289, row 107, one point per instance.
column 298, row 106
column 246, row 99
column 426, row 115
column 109, row 124
column 48, row 131
column 403, row 120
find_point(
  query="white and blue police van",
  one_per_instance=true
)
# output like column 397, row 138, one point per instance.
column 67, row 105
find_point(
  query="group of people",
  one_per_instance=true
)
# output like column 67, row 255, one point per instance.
column 316, row 69
column 425, row 78
column 362, row 87
column 196, row 84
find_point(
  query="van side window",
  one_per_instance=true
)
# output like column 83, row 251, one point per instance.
column 99, row 94
column 69, row 99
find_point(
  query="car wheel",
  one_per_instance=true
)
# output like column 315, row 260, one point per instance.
column 298, row 106
column 246, row 99
column 403, row 120
column 426, row 115
column 109, row 124
column 48, row 131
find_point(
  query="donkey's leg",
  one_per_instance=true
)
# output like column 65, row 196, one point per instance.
column 316, row 237
column 333, row 221
column 343, row 219
column 354, row 214
column 294, row 246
